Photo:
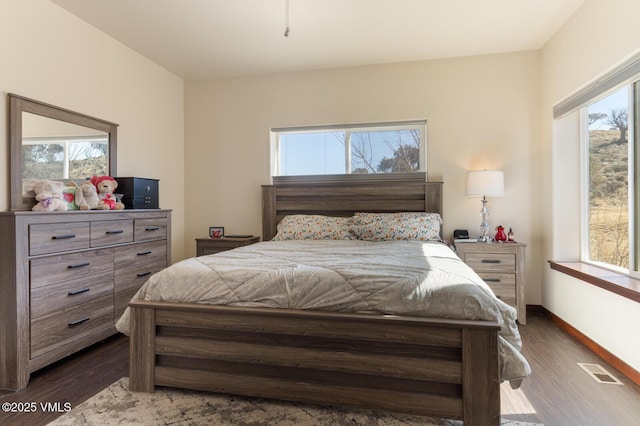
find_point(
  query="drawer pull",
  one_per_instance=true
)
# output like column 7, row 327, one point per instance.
column 78, row 322
column 78, row 265
column 63, row 237
column 144, row 253
column 117, row 231
column 144, row 274
column 492, row 280
column 490, row 261
column 151, row 228
column 76, row 292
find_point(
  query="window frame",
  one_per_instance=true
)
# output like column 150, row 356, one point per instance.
column 633, row 178
column 348, row 129
column 621, row 284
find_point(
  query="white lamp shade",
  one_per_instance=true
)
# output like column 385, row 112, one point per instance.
column 488, row 183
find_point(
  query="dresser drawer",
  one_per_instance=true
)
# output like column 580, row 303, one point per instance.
column 54, row 330
column 104, row 233
column 503, row 285
column 141, row 253
column 136, row 275
column 150, row 229
column 91, row 265
column 499, row 262
column 137, row 262
column 67, row 294
column 58, row 237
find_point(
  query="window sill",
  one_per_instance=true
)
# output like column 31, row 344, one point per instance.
column 617, row 283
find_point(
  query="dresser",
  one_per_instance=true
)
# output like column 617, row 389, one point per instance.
column 66, row 277
column 216, row 245
column 502, row 267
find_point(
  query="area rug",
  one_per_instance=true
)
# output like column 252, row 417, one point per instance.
column 116, row 405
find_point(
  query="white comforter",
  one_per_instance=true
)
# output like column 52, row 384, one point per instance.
column 391, row 277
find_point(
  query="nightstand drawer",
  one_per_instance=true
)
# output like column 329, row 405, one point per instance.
column 503, row 285
column 499, row 262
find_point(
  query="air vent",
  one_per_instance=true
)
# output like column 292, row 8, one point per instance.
column 599, row 374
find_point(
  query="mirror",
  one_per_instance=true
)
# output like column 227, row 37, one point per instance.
column 48, row 142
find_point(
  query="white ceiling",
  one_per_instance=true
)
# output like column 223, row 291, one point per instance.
column 201, row 39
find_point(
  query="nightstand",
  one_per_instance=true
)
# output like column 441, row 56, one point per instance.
column 501, row 266
column 216, row 245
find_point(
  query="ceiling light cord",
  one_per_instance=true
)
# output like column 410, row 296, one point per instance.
column 287, row 30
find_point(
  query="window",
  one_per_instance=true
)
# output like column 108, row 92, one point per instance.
column 65, row 158
column 609, row 168
column 349, row 149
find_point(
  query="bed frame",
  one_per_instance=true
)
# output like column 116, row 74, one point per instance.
column 426, row 366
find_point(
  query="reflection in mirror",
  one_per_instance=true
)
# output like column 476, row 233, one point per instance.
column 54, row 149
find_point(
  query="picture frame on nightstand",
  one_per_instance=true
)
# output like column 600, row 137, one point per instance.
column 216, row 231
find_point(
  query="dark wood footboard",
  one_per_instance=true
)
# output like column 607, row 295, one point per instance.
column 436, row 367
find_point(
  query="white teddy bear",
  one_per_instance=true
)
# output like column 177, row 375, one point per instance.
column 48, row 194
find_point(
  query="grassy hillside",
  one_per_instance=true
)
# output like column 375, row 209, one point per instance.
column 608, row 210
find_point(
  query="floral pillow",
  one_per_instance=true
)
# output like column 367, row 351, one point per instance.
column 397, row 226
column 313, row 227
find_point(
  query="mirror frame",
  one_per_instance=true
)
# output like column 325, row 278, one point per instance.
column 20, row 104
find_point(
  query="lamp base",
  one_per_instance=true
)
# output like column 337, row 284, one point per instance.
column 484, row 226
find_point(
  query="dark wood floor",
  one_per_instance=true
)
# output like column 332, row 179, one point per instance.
column 558, row 393
column 73, row 380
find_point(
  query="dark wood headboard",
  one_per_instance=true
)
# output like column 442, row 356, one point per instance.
column 344, row 199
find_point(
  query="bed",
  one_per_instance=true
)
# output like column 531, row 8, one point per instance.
column 415, row 364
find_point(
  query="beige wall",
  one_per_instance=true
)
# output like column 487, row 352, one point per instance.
column 597, row 37
column 482, row 112
column 51, row 56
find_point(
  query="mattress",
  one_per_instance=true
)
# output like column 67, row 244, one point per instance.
column 385, row 277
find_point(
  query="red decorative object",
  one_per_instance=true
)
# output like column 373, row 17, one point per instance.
column 500, row 235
